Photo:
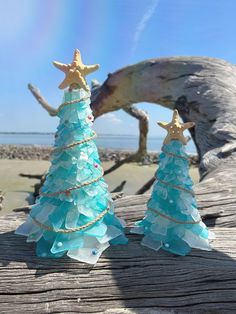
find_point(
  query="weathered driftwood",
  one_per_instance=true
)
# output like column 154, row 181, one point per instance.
column 202, row 89
column 125, row 277
column 129, row 279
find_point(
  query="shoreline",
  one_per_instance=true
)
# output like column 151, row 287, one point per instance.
column 42, row 152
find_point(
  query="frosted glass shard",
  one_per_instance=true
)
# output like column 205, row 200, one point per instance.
column 43, row 249
column 72, row 218
column 161, row 191
column 122, row 222
column 90, row 190
column 90, row 253
column 64, row 242
column 137, row 230
column 151, row 243
column 195, row 215
column 35, row 236
column 97, row 230
column 196, row 242
column 151, row 217
column 211, row 235
column 83, row 156
column 158, row 228
column 88, row 212
column 25, row 228
column 44, row 212
column 112, row 232
column 85, row 255
column 121, row 239
column 177, row 246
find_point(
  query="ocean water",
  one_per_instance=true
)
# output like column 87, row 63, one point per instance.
column 119, row 142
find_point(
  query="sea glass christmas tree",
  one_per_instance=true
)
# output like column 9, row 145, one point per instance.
column 172, row 221
column 74, row 213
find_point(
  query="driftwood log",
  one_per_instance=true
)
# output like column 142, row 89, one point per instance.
column 127, row 279
column 133, row 279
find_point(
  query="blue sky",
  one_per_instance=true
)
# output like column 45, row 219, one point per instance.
column 113, row 33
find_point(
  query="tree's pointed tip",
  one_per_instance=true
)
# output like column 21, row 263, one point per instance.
column 77, row 53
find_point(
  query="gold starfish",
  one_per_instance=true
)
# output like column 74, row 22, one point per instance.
column 175, row 129
column 75, row 72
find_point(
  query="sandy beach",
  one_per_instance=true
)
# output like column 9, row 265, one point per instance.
column 18, row 189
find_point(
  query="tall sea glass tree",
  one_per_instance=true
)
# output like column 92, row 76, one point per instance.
column 172, row 221
column 74, row 214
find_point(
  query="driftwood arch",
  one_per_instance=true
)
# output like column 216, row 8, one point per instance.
column 202, row 89
column 140, row 280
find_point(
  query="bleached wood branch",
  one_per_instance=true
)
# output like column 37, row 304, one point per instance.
column 42, row 101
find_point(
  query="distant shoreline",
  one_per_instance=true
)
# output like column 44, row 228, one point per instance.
column 42, row 152
column 99, row 134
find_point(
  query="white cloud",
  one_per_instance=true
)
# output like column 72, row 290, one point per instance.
column 143, row 23
column 112, row 118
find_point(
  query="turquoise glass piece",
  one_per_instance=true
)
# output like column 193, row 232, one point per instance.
column 59, row 213
column 172, row 221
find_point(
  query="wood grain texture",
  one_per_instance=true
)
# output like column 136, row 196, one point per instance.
column 127, row 279
column 202, row 89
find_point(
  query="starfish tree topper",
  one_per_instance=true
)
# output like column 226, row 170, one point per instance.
column 75, row 72
column 175, row 129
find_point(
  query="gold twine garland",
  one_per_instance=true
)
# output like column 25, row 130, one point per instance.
column 72, row 102
column 76, row 143
column 174, row 155
column 49, row 228
column 67, row 191
column 173, row 219
column 176, row 186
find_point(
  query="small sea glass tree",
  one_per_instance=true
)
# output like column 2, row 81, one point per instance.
column 74, row 213
column 172, row 221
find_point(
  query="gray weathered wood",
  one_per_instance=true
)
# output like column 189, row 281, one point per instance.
column 202, row 89
column 125, row 277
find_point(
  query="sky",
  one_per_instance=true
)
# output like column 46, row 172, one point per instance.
column 113, row 33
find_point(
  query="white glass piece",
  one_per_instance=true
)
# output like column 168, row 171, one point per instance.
column 195, row 241
column 97, row 230
column 159, row 228
column 25, row 228
column 112, row 232
column 72, row 218
column 137, row 230
column 86, row 254
column 45, row 211
column 35, row 236
column 152, row 244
